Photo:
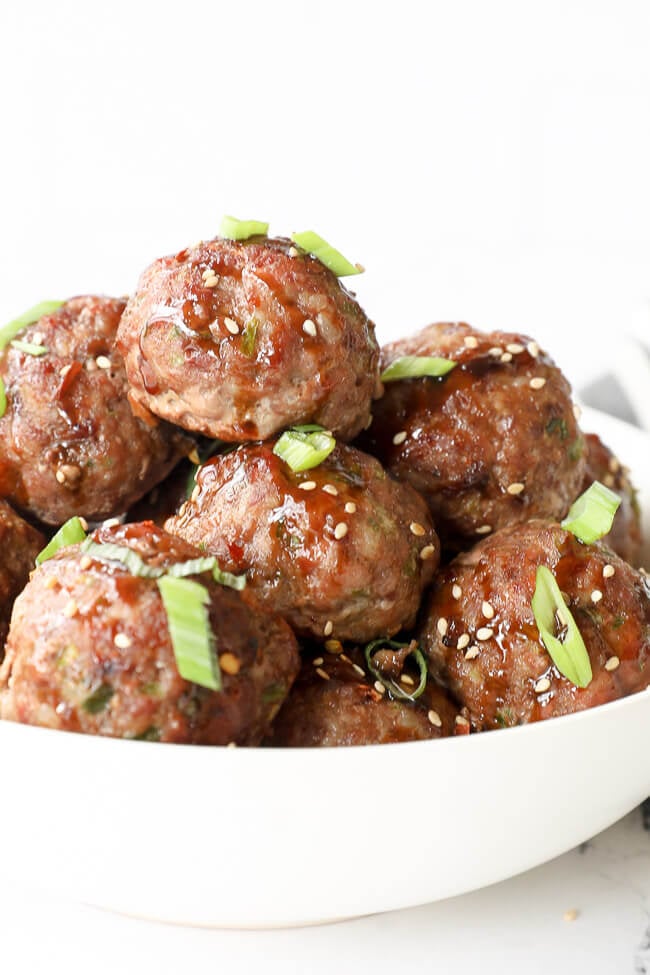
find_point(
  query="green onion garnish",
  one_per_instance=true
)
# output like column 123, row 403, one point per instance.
column 552, row 615
column 71, row 533
column 591, row 516
column 326, row 254
column 414, row 366
column 186, row 604
column 110, row 552
column 249, row 336
column 3, row 398
column 303, row 449
column 234, row 229
column 11, row 329
column 29, row 348
column 396, row 689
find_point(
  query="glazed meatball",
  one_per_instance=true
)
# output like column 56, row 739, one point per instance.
column 482, row 641
column 89, row 650
column 341, row 549
column 19, row 546
column 336, row 701
column 492, row 443
column 625, row 538
column 240, row 339
column 69, row 442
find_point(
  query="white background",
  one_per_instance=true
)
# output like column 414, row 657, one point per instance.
column 484, row 160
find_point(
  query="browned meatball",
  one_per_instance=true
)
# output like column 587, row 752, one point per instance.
column 240, row 339
column 337, row 701
column 625, row 538
column 493, row 442
column 69, row 442
column 89, row 650
column 340, row 549
column 19, row 546
column 480, row 635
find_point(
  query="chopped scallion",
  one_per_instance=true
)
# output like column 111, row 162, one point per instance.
column 187, row 607
column 326, row 254
column 415, row 366
column 304, row 449
column 591, row 516
column 29, row 348
column 11, row 329
column 109, row 552
column 397, row 690
column 71, row 533
column 234, row 229
column 559, row 631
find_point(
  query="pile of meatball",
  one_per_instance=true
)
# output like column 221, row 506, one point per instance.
column 388, row 588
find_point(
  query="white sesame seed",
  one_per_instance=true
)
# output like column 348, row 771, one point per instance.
column 515, row 488
column 65, row 370
column 379, row 687
column 196, row 492
column 307, row 485
column 427, row 552
column 350, row 507
column 514, row 347
column 368, row 423
column 417, row 529
column 318, row 661
column 496, row 350
column 533, row 349
column 103, row 362
column 193, row 456
column 340, row 531
column 60, row 476
column 358, row 670
column 232, row 326
column 488, row 610
column 85, row 562
column 614, row 465
column 471, row 342
column 506, row 357
column 37, row 339
column 345, row 658
column 408, row 680
column 608, row 571
column 442, row 626
column 463, row 722
column 122, row 641
column 596, row 596
column 463, row 641
column 484, row 633
column 83, row 523
column 609, row 480
column 333, row 646
column 330, row 489
column 484, row 530
column 399, row 437
column 110, row 522
column 577, row 412
column 322, row 673
column 208, row 272
column 434, row 718
column 328, row 629
column 612, row 663
column 211, row 281
column 542, row 685
column 537, row 382
column 70, row 608
column 472, row 652
column 293, row 252
column 456, row 591
column 309, row 328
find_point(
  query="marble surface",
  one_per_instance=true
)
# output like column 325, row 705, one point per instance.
column 519, row 926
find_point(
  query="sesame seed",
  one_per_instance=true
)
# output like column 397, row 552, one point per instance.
column 340, row 531
column 350, row 507
column 322, row 673
column 434, row 718
column 232, row 326
column 577, row 412
column 596, row 596
column 103, row 362
column 90, row 365
column 488, row 610
column 472, row 652
column 334, row 646
column 463, row 722
column 293, row 252
column 463, row 641
column 537, row 382
column 570, row 915
column 533, row 349
column 358, row 670
column 427, row 552
column 542, row 685
column 196, row 491
column 193, row 456
column 407, row 679
column 110, row 522
column 456, row 591
column 496, row 350
column 318, row 661
column 122, row 641
column 85, row 562
column 471, row 342
column 379, row 687
column 308, row 327
column 608, row 571
column 345, row 658
column 515, row 488
column 612, row 663
column 506, row 357
column 60, row 476
column 399, row 437
column 609, row 480
column 83, row 523
column 442, row 626
column 614, row 465
column 307, row 485
column 514, row 347
column 484, row 633
column 328, row 629
column 65, row 370
column 230, row 664
column 417, row 529
column 211, row 281
column 70, row 608
column 207, row 273
column 330, row 489
column 368, row 423
column 484, row 530
column 37, row 339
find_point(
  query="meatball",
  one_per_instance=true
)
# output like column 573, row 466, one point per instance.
column 69, row 442
column 336, row 701
column 341, row 549
column 241, row 339
column 482, row 641
column 89, row 650
column 625, row 538
column 19, row 546
column 492, row 443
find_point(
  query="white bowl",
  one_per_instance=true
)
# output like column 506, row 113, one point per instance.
column 263, row 837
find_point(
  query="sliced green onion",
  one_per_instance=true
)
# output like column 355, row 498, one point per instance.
column 326, row 254
column 591, row 516
column 186, row 604
column 11, row 329
column 414, row 366
column 29, row 348
column 71, row 533
column 3, row 398
column 552, row 615
column 302, row 450
column 249, row 336
column 396, row 689
column 234, row 229
column 109, row 552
